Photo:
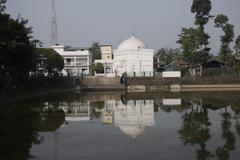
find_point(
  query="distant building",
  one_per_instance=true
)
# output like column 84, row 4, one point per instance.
column 77, row 61
column 106, row 60
column 106, row 52
column 213, row 64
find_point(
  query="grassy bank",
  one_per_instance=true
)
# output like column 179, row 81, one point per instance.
column 15, row 89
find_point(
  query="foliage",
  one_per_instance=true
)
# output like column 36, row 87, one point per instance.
column 202, row 9
column 221, row 21
column 194, row 41
column 190, row 44
column 95, row 50
column 99, row 68
column 17, row 56
column 237, row 44
column 2, row 7
column 167, row 55
column 54, row 61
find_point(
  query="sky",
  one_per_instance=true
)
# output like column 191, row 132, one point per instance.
column 156, row 22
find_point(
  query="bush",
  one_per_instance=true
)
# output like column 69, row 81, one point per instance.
column 98, row 68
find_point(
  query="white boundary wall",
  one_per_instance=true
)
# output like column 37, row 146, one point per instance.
column 171, row 74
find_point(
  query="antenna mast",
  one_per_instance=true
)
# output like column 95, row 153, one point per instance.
column 54, row 36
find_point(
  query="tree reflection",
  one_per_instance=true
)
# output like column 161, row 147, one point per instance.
column 223, row 153
column 20, row 126
column 237, row 124
column 195, row 128
column 236, row 110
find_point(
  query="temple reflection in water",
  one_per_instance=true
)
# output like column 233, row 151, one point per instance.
column 132, row 117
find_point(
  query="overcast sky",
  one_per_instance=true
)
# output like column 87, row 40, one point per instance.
column 156, row 22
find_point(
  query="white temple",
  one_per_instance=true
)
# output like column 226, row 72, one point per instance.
column 131, row 57
column 134, row 58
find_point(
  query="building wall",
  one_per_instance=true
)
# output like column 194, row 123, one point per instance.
column 135, row 61
column 76, row 62
column 106, row 52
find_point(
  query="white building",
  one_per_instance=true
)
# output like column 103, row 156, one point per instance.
column 131, row 57
column 134, row 58
column 77, row 61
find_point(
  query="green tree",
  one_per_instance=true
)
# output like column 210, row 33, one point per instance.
column 99, row 68
column 237, row 45
column 17, row 55
column 194, row 41
column 54, row 61
column 221, row 21
column 2, row 7
column 95, row 50
column 189, row 44
column 201, row 9
column 167, row 55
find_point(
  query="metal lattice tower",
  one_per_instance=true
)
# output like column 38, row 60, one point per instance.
column 54, row 36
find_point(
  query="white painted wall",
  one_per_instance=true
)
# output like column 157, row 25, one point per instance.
column 171, row 74
column 133, row 60
column 80, row 60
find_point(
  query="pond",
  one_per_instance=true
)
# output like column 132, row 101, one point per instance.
column 122, row 126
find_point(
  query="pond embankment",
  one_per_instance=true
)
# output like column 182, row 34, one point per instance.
column 153, row 84
column 35, row 87
column 137, row 84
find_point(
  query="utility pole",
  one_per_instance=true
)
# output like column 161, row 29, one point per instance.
column 54, row 34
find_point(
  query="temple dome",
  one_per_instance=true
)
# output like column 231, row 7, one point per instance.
column 131, row 43
column 132, row 130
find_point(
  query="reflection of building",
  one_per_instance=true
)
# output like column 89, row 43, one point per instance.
column 132, row 118
column 76, row 111
column 77, row 61
column 172, row 102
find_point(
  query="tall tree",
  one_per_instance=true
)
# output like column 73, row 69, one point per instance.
column 17, row 55
column 201, row 9
column 2, row 6
column 194, row 41
column 95, row 50
column 189, row 44
column 167, row 55
column 221, row 21
column 237, row 46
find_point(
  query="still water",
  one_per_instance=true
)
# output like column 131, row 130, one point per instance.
column 120, row 126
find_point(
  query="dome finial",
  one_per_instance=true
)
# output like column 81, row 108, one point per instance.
column 133, row 33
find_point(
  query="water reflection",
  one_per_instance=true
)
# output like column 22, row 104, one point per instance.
column 132, row 116
column 195, row 128
column 207, row 124
column 20, row 126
